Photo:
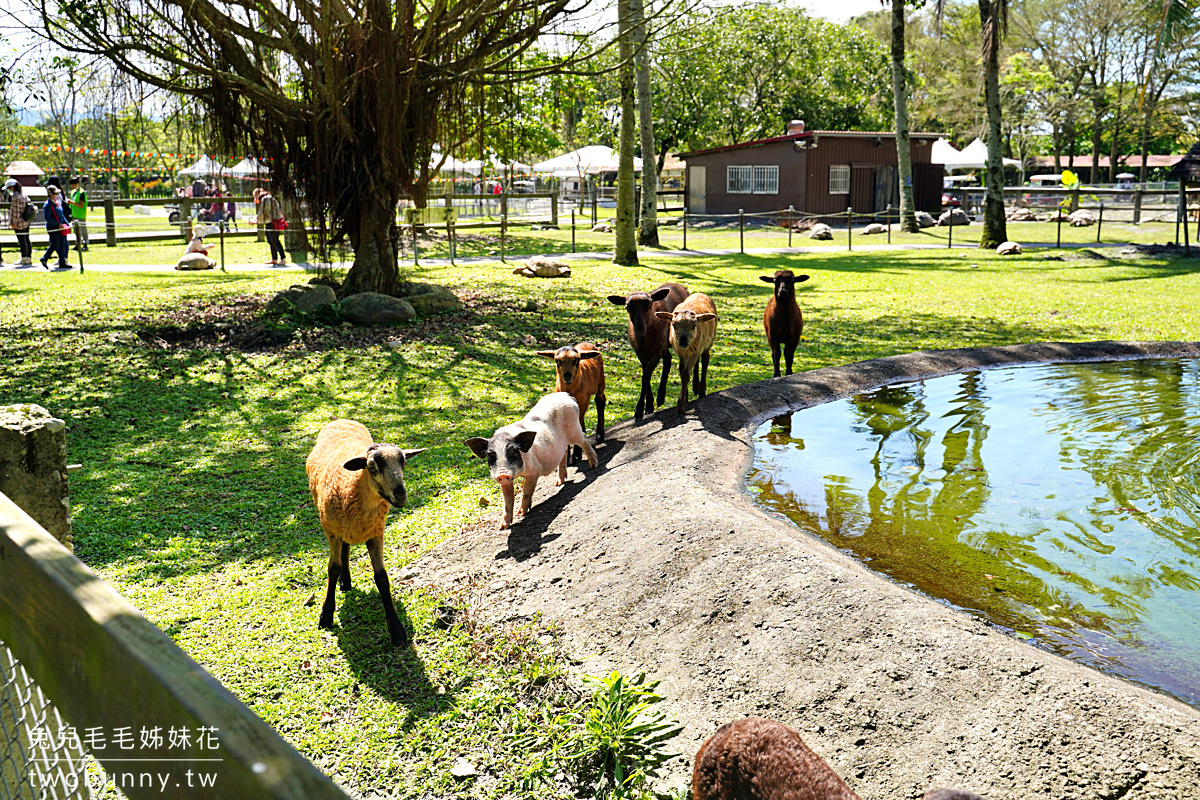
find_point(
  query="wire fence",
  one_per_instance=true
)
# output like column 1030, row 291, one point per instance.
column 41, row 756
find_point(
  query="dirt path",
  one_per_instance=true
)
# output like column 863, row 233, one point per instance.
column 657, row 562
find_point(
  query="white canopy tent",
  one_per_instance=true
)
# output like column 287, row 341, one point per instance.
column 450, row 165
column 495, row 165
column 944, row 152
column 248, row 168
column 973, row 156
column 205, row 166
column 585, row 161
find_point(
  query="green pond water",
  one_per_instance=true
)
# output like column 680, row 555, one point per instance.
column 1061, row 502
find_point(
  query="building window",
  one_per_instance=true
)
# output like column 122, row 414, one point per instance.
column 739, row 180
column 752, row 180
column 766, row 180
column 839, row 179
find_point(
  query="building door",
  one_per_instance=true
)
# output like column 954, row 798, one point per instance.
column 696, row 188
column 862, row 188
column 887, row 188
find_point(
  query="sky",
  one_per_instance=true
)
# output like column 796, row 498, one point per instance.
column 840, row 10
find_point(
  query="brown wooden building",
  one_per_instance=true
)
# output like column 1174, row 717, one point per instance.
column 817, row 172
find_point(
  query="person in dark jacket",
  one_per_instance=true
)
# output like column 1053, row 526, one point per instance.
column 57, row 225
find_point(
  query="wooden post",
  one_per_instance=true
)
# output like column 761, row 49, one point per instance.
column 791, row 223
column 1058, row 241
column 1100, row 222
column 742, row 231
column 849, row 229
column 888, row 219
column 1137, row 205
column 503, row 223
column 950, row 230
column 222, row 230
column 110, row 223
column 572, row 227
column 685, row 213
column 1187, row 245
column 185, row 218
column 554, row 210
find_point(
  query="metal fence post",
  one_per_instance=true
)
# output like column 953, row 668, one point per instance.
column 742, row 231
column 950, row 230
column 416, row 245
column 595, row 207
column 572, row 228
column 849, row 229
column 685, row 213
column 78, row 244
column 1100, row 222
column 888, row 219
column 222, row 230
column 1058, row 241
column 503, row 223
column 791, row 223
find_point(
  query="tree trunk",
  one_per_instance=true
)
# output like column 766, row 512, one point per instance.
column 648, row 224
column 295, row 239
column 624, row 245
column 375, row 268
column 995, row 230
column 908, row 211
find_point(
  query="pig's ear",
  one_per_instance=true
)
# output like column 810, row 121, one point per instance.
column 355, row 464
column 478, row 446
column 766, row 278
column 413, row 453
column 661, row 294
column 525, row 440
column 705, row 317
column 616, row 299
column 586, row 354
column 801, row 278
column 547, row 353
column 667, row 315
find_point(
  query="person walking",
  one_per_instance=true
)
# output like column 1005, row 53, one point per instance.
column 17, row 221
column 57, row 225
column 270, row 216
column 77, row 202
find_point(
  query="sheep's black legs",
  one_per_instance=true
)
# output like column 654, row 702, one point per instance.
column 395, row 629
column 662, row 383
column 790, row 352
column 645, row 403
column 345, row 582
column 775, row 359
column 703, row 390
column 601, row 401
column 335, row 569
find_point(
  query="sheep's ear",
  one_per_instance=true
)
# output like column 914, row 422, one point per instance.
column 616, row 299
column 547, row 353
column 586, row 354
column 355, row 464
column 766, row 278
column 667, row 315
column 801, row 278
column 478, row 446
column 661, row 294
column 413, row 453
column 525, row 440
column 705, row 317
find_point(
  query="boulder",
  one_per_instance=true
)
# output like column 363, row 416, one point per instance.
column 873, row 229
column 192, row 261
column 953, row 216
column 373, row 308
column 820, row 231
column 1008, row 249
column 1082, row 218
column 429, row 298
column 284, row 301
column 315, row 298
column 925, row 219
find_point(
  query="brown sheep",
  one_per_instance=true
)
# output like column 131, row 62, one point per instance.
column 648, row 335
column 758, row 759
column 354, row 483
column 782, row 319
column 693, row 329
column 579, row 371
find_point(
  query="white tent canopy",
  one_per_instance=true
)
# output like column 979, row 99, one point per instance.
column 944, row 152
column 494, row 165
column 247, row 167
column 586, row 160
column 205, row 166
column 451, row 164
column 973, row 156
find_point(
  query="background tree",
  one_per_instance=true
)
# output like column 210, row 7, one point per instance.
column 993, row 18
column 647, row 223
column 908, row 209
column 345, row 97
column 624, row 244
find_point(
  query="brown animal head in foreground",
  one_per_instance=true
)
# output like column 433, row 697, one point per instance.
column 785, row 283
column 384, row 464
column 566, row 361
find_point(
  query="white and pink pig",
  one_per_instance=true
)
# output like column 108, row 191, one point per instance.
column 532, row 448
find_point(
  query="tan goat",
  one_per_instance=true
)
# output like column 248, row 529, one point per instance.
column 693, row 329
column 354, row 483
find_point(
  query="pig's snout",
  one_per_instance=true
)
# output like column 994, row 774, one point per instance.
column 504, row 479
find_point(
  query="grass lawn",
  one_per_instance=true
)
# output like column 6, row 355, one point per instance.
column 193, row 500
